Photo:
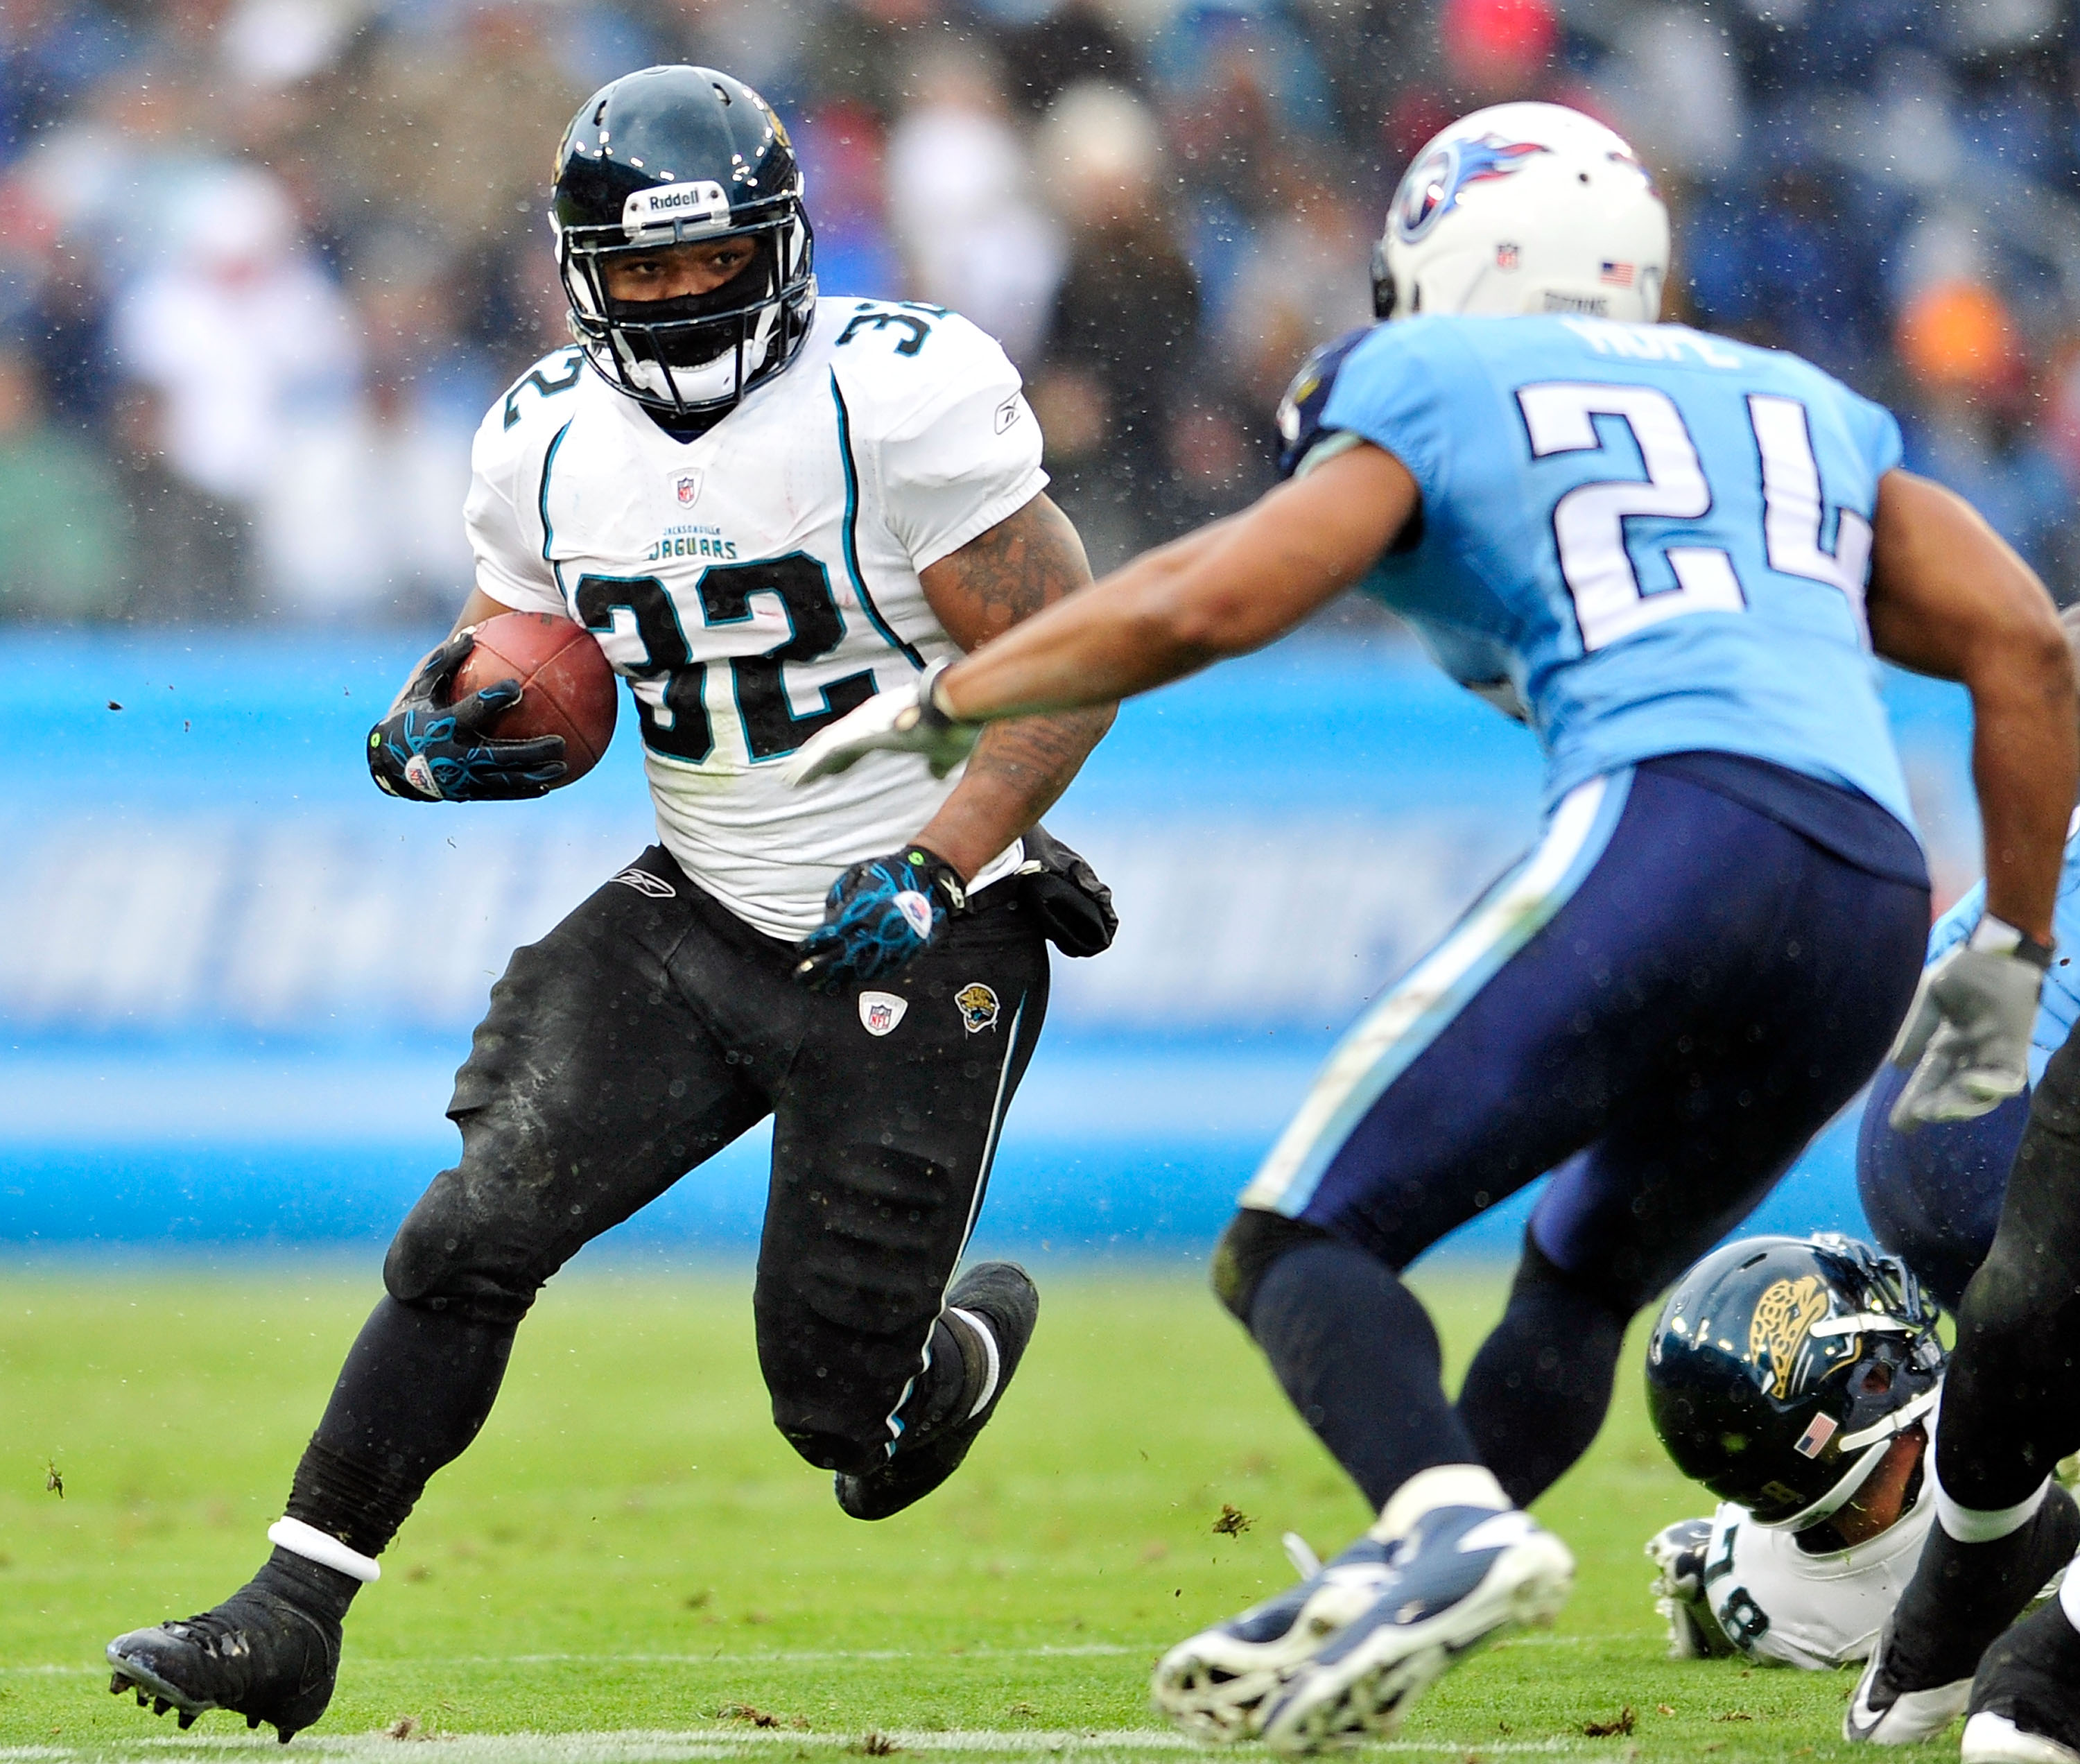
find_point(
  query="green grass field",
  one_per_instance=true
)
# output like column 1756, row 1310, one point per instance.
column 632, row 1565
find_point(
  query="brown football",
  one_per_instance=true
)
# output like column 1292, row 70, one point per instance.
column 566, row 686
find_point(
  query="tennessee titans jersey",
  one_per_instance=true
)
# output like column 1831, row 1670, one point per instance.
column 1657, row 541
column 2060, row 1006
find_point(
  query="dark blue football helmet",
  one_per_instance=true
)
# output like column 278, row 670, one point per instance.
column 1781, row 1368
column 675, row 156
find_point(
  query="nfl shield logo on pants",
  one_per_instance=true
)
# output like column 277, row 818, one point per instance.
column 879, row 1012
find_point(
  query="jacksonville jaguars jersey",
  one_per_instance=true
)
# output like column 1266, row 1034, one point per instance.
column 1778, row 1602
column 755, row 584
column 2059, row 1007
column 1655, row 541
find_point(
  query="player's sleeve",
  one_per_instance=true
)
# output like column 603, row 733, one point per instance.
column 1301, row 434
column 959, row 451
column 504, row 526
column 1390, row 390
column 1873, row 429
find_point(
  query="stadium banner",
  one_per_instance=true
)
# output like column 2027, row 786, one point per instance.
column 235, row 980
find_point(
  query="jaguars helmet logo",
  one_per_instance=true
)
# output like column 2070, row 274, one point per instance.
column 1780, row 1325
column 977, row 1007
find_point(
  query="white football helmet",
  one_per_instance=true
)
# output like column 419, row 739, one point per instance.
column 1524, row 208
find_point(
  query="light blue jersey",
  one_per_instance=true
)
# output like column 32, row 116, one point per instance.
column 2060, row 1006
column 1660, row 538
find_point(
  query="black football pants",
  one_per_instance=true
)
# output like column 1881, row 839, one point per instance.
column 2011, row 1397
column 643, row 1034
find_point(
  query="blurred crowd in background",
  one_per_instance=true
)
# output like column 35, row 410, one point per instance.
column 264, row 263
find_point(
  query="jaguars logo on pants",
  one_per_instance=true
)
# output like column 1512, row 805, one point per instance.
column 977, row 1005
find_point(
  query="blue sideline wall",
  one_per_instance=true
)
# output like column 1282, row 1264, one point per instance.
column 235, row 981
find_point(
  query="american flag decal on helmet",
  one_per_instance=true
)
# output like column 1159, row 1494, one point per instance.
column 1813, row 1441
column 1617, row 274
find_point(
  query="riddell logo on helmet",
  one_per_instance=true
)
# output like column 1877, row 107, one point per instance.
column 700, row 202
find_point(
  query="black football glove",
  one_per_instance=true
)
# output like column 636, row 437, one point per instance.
column 429, row 751
column 877, row 916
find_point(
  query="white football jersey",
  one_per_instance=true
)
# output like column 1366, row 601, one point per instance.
column 759, row 581
column 1777, row 1601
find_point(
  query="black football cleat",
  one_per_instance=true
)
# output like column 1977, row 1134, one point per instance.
column 2026, row 1700
column 1919, row 1678
column 1002, row 1295
column 256, row 1654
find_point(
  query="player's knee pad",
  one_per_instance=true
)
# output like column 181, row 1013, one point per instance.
column 1252, row 1242
column 439, row 1262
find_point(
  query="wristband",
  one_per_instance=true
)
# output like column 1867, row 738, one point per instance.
column 1992, row 936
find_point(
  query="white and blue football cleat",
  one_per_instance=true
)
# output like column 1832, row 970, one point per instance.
column 1214, row 1686
column 1465, row 1567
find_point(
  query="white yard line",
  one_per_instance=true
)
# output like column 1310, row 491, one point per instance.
column 650, row 1746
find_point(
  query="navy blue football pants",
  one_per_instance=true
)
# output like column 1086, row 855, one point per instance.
column 1933, row 1196
column 1661, row 1005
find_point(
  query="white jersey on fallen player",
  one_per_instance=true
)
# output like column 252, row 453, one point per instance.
column 1776, row 1601
column 759, row 581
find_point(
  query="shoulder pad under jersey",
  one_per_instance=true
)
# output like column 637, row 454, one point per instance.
column 1300, row 410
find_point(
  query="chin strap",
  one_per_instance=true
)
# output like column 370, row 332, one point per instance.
column 1873, row 1442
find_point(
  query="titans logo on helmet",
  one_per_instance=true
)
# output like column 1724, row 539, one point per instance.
column 1433, row 183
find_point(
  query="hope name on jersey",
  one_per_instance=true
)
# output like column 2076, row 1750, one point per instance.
column 759, row 581
column 1778, row 1602
column 1658, row 540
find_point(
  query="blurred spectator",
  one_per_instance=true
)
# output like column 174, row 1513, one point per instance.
column 1958, row 341
column 957, row 195
column 193, row 551
column 1071, row 43
column 267, row 261
column 64, row 550
column 1123, row 343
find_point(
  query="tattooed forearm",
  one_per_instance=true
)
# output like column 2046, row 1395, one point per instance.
column 1019, row 768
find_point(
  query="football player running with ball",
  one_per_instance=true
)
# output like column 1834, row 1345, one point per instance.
column 767, row 509
column 1673, row 554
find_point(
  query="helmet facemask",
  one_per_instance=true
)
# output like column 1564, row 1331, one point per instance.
column 692, row 358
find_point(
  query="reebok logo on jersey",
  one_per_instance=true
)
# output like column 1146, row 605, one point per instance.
column 879, row 1012
column 977, row 1005
column 700, row 204
column 1007, row 412
column 643, row 883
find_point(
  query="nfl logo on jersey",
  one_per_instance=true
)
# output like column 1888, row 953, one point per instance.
column 687, row 487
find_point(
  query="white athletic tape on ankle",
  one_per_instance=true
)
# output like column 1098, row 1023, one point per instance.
column 989, row 1353
column 1980, row 1525
column 313, row 1545
column 1444, row 1484
column 2069, row 1597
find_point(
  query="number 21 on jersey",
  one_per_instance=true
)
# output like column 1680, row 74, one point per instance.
column 1589, row 521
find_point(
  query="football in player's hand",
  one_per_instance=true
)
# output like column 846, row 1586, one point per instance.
column 566, row 686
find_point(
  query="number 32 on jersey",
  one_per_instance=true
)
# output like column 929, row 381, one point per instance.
column 1589, row 522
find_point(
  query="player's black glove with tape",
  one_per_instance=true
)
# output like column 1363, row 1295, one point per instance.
column 877, row 916
column 429, row 751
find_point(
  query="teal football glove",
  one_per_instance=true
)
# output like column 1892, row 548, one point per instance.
column 879, row 915
column 429, row 751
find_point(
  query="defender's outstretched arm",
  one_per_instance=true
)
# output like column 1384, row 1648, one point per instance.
column 1948, row 597
column 1227, row 589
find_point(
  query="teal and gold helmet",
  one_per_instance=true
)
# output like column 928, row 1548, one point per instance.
column 1781, row 1368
